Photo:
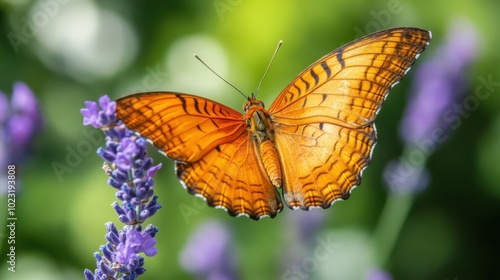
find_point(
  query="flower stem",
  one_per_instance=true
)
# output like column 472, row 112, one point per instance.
column 396, row 209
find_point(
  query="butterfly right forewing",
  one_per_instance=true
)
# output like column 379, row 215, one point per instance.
column 324, row 120
column 348, row 85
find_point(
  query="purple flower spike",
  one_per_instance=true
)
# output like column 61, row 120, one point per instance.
column 130, row 172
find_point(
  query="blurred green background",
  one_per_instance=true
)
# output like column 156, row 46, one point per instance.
column 81, row 50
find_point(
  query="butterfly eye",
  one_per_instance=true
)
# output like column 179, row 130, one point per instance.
column 246, row 105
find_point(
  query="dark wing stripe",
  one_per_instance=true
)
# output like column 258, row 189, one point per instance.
column 339, row 58
column 327, row 69
column 315, row 76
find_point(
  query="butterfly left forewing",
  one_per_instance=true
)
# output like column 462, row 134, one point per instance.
column 185, row 127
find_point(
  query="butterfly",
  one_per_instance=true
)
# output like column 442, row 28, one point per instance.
column 313, row 142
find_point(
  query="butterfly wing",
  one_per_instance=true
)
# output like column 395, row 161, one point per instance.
column 185, row 127
column 324, row 120
column 231, row 178
column 209, row 141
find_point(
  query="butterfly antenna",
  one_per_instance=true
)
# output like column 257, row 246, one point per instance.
column 197, row 57
column 269, row 66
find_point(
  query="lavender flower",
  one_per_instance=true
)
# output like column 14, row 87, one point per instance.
column 207, row 253
column 130, row 172
column 432, row 109
column 19, row 123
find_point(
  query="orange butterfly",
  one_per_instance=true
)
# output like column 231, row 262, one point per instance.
column 314, row 141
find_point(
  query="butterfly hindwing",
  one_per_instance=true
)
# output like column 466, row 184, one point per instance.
column 230, row 177
column 328, row 161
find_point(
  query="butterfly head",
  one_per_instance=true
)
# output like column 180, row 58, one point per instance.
column 251, row 103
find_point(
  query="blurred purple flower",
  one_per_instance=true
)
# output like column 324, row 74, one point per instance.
column 24, row 102
column 207, row 253
column 403, row 177
column 377, row 274
column 307, row 224
column 20, row 121
column 4, row 107
column 302, row 228
column 437, row 90
column 21, row 129
column 439, row 83
column 130, row 172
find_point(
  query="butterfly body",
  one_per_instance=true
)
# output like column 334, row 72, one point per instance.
column 313, row 142
column 261, row 132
